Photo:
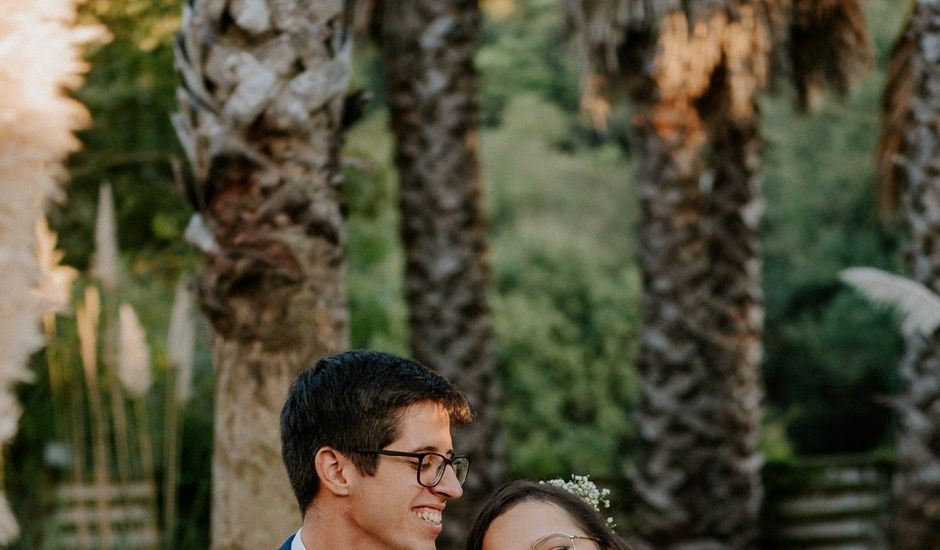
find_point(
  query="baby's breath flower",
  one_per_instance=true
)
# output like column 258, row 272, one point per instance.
column 583, row 487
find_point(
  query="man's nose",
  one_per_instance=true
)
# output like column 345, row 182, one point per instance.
column 449, row 487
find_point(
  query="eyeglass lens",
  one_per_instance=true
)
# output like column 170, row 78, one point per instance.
column 564, row 542
column 432, row 467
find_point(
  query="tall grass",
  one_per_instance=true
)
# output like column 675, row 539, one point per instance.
column 180, row 349
column 40, row 60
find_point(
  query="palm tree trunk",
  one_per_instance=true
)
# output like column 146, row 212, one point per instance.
column 694, row 69
column 735, row 314
column 916, row 485
column 427, row 51
column 260, row 122
column 697, row 475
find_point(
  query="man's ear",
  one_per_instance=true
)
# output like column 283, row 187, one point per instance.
column 334, row 469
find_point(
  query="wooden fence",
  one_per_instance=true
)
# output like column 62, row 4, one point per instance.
column 831, row 503
column 837, row 503
column 90, row 516
column 828, row 504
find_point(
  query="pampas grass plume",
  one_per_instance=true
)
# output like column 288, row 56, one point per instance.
column 86, row 317
column 10, row 412
column 133, row 354
column 181, row 341
column 9, row 530
column 40, row 60
column 106, row 267
column 55, row 286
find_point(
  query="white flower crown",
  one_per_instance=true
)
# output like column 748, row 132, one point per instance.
column 590, row 493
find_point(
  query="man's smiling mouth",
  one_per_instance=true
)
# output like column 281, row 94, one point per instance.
column 434, row 517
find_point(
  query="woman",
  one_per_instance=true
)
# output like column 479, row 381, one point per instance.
column 522, row 515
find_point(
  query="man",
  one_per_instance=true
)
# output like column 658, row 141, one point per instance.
column 367, row 445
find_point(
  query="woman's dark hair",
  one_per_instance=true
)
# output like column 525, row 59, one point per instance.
column 517, row 492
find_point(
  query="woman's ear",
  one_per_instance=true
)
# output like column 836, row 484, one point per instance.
column 333, row 468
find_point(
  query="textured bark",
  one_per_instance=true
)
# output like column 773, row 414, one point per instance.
column 427, row 50
column 895, row 110
column 914, row 92
column 259, row 118
column 697, row 475
column 695, row 69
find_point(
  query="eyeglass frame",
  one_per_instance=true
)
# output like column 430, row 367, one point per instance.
column 567, row 536
column 439, row 476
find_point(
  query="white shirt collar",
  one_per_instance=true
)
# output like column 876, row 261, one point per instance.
column 298, row 544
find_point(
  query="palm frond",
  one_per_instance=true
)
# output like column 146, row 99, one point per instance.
column 918, row 305
column 829, row 47
column 895, row 114
column 608, row 34
column 629, row 46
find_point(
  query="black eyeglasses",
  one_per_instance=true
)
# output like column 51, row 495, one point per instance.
column 430, row 465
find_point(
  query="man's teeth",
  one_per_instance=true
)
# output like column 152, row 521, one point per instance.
column 430, row 516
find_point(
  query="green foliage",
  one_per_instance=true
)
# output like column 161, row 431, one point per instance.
column 566, row 305
column 561, row 209
column 524, row 52
column 830, row 358
column 374, row 257
column 131, row 93
column 774, row 444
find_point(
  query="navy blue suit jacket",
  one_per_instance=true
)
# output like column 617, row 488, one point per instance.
column 286, row 545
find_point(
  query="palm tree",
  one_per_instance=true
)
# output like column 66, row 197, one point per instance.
column 427, row 49
column 259, row 119
column 693, row 71
column 908, row 153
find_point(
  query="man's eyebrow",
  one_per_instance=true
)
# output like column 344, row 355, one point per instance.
column 433, row 449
